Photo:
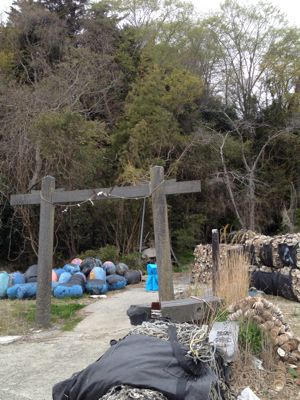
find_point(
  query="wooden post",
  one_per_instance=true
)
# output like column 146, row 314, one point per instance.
column 215, row 259
column 158, row 189
column 45, row 254
column 161, row 234
column 142, row 227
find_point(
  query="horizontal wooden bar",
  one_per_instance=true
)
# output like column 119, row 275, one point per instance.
column 127, row 192
column 21, row 199
column 76, row 196
column 123, row 192
column 182, row 187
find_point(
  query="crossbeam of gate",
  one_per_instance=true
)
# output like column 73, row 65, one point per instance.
column 48, row 197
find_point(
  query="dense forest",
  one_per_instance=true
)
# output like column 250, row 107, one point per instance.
column 96, row 94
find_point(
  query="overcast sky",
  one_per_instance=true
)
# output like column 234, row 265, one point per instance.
column 290, row 7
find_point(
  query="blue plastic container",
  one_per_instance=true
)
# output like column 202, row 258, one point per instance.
column 152, row 280
column 116, row 282
column 4, row 280
column 62, row 291
column 65, row 277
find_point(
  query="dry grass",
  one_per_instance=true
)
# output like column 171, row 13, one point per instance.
column 263, row 383
column 198, row 290
column 233, row 281
column 13, row 321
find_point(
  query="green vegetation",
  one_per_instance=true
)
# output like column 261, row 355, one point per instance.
column 112, row 253
column 251, row 337
column 96, row 94
column 18, row 317
column 222, row 315
column 294, row 374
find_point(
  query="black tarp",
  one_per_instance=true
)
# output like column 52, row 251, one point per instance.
column 274, row 283
column 144, row 362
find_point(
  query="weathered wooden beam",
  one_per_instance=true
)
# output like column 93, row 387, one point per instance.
column 76, row 196
column 215, row 259
column 172, row 187
column 22, row 199
column 161, row 235
column 128, row 192
column 45, row 254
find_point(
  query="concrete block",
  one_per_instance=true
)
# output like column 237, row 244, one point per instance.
column 225, row 337
column 181, row 310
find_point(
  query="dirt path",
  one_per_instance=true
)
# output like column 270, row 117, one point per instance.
column 29, row 368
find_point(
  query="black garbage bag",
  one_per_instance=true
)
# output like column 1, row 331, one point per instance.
column 266, row 253
column 138, row 314
column 288, row 254
column 121, row 269
column 274, row 283
column 88, row 264
column 133, row 277
column 144, row 362
column 109, row 267
column 31, row 274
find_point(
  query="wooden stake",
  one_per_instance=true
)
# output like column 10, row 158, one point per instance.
column 45, row 254
column 161, row 234
column 215, row 259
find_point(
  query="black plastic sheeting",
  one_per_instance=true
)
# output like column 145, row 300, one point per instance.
column 145, row 362
column 273, row 283
column 88, row 264
column 287, row 255
column 31, row 274
column 133, row 277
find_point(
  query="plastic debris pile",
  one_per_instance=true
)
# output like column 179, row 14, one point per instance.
column 274, row 262
column 72, row 280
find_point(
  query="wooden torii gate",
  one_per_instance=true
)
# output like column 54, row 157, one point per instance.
column 158, row 188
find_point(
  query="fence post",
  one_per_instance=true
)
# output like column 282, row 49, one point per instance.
column 161, row 235
column 45, row 253
column 215, row 259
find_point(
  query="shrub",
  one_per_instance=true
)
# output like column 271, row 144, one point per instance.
column 133, row 260
column 89, row 253
column 106, row 253
column 109, row 253
column 251, row 337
